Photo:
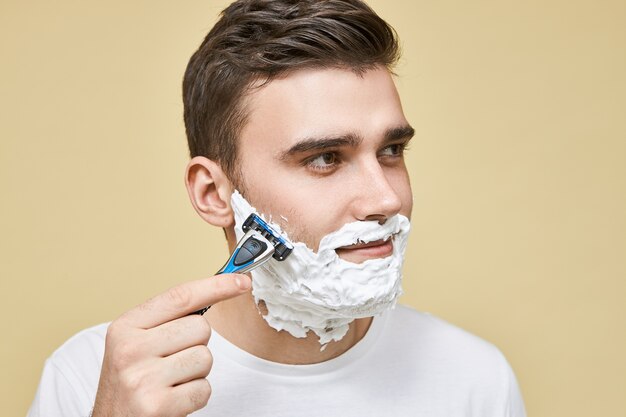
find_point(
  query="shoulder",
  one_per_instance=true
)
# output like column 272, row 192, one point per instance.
column 452, row 370
column 81, row 353
column 88, row 340
column 70, row 376
column 440, row 354
column 430, row 334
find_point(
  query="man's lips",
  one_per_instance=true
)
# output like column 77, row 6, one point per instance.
column 376, row 249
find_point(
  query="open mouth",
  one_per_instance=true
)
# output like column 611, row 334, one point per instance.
column 376, row 249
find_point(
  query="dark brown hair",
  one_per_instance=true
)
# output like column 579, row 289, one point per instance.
column 259, row 40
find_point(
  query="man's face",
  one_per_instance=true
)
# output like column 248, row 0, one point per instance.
column 324, row 147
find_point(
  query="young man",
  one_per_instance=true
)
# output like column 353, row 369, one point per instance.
column 290, row 108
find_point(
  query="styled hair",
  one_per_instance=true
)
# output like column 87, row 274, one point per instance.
column 256, row 41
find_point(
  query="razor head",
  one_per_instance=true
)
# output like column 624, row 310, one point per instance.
column 282, row 247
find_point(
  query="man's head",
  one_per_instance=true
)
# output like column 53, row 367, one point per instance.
column 292, row 103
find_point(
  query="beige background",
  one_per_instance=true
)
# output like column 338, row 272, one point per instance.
column 517, row 168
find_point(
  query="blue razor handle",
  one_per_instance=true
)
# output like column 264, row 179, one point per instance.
column 257, row 246
column 251, row 251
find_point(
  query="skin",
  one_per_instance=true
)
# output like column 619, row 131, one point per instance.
column 156, row 357
column 321, row 147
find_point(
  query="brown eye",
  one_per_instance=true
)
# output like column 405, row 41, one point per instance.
column 393, row 150
column 329, row 158
column 323, row 161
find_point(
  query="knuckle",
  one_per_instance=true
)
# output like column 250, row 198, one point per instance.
column 223, row 287
column 149, row 305
column 126, row 354
column 185, row 360
column 151, row 406
column 133, row 381
column 122, row 347
column 167, row 333
column 200, row 396
column 172, row 330
column 114, row 332
column 202, row 327
column 180, row 297
column 205, row 358
column 198, row 358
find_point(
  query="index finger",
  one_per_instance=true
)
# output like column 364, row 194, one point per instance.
column 186, row 298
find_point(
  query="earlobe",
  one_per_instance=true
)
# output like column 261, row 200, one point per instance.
column 209, row 191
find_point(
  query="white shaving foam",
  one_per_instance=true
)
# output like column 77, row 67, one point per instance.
column 321, row 292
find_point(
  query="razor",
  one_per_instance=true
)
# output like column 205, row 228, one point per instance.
column 258, row 245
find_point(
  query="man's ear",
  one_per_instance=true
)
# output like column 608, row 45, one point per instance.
column 209, row 191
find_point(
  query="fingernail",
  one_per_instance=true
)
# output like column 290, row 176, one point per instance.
column 242, row 283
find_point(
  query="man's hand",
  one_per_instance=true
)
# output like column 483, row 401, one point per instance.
column 156, row 357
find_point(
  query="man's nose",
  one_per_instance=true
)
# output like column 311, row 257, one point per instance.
column 376, row 198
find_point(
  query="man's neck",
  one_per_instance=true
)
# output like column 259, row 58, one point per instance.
column 239, row 321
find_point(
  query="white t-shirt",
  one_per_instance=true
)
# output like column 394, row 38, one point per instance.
column 408, row 364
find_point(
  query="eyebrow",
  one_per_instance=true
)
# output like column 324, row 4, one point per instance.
column 320, row 144
column 397, row 133
column 350, row 139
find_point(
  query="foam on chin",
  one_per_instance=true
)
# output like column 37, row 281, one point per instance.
column 321, row 292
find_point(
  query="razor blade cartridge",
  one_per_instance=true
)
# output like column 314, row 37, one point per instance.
column 282, row 247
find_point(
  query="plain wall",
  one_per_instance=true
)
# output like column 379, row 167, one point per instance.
column 518, row 171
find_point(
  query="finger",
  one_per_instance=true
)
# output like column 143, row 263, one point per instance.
column 191, row 396
column 176, row 335
column 184, row 366
column 186, row 298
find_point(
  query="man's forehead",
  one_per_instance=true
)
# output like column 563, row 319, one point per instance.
column 321, row 103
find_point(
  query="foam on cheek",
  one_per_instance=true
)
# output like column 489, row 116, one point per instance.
column 321, row 292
